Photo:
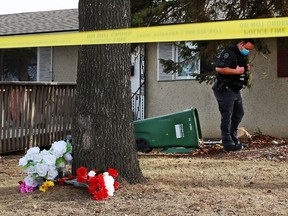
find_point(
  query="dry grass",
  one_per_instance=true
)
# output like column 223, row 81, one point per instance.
column 175, row 186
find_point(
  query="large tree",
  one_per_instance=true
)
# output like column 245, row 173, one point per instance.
column 102, row 127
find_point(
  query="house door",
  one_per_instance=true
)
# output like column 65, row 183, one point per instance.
column 138, row 83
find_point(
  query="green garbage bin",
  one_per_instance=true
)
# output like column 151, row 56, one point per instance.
column 180, row 129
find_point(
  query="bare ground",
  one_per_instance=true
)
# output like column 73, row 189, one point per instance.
column 210, row 181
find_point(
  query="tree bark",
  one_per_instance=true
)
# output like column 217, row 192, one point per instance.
column 102, row 129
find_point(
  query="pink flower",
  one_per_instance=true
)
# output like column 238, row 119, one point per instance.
column 25, row 188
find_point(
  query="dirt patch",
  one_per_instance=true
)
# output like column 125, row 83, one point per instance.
column 206, row 182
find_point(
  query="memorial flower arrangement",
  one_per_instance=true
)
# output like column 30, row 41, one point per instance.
column 42, row 167
column 100, row 184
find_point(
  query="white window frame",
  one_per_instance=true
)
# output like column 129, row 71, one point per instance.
column 172, row 53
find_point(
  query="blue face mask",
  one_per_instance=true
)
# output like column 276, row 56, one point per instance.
column 244, row 52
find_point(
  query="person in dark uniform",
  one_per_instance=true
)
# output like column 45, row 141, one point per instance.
column 232, row 75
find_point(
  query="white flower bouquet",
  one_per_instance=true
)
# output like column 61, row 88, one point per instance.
column 45, row 164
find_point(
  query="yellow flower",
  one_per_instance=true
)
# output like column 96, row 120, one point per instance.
column 51, row 184
column 43, row 188
column 48, row 183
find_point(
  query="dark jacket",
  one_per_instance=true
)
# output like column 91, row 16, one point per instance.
column 231, row 57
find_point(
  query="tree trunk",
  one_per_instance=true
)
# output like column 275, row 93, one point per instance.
column 102, row 127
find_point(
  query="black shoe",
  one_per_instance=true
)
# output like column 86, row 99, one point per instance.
column 233, row 147
column 244, row 145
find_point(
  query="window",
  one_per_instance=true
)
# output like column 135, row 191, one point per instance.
column 282, row 56
column 18, row 64
column 189, row 67
column 170, row 51
column 26, row 64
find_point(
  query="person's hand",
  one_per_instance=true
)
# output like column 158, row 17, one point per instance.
column 248, row 67
column 239, row 70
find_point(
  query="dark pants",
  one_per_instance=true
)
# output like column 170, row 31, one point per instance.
column 231, row 109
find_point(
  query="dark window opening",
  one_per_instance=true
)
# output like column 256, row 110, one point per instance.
column 18, row 64
column 282, row 56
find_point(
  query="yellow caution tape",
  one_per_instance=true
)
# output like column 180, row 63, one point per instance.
column 234, row 29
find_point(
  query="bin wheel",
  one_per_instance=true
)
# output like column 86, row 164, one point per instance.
column 143, row 145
